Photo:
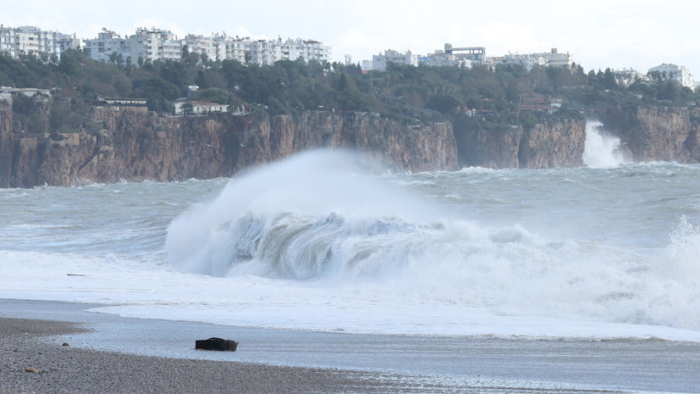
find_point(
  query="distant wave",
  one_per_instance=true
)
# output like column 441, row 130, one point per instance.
column 602, row 150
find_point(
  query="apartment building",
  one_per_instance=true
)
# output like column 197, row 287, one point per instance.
column 107, row 42
column 556, row 59
column 627, row 77
column 31, row 39
column 677, row 73
column 441, row 59
column 449, row 57
column 205, row 46
column 265, row 52
column 380, row 62
column 294, row 49
column 237, row 48
column 156, row 44
column 527, row 61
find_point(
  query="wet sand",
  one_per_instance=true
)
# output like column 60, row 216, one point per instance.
column 28, row 364
column 111, row 354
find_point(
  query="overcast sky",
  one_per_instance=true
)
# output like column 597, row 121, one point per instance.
column 599, row 33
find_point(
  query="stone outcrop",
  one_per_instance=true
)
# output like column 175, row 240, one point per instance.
column 134, row 146
column 120, row 144
column 553, row 144
column 656, row 133
column 6, row 141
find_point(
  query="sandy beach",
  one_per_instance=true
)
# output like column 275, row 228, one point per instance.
column 28, row 364
column 106, row 353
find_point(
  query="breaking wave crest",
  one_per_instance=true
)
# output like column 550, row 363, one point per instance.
column 309, row 219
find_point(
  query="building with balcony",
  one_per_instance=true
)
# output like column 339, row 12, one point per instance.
column 527, row 61
column 380, row 62
column 156, row 44
column 556, row 59
column 677, row 73
column 306, row 50
column 33, row 40
column 442, row 59
column 204, row 46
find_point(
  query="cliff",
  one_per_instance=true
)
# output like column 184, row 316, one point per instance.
column 133, row 146
column 123, row 144
column 656, row 133
column 6, row 141
column 558, row 143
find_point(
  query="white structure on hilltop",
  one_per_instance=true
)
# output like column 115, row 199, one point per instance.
column 530, row 60
column 198, row 107
column 527, row 61
column 237, row 48
column 442, row 59
column 628, row 76
column 205, row 46
column 32, row 40
column 155, row 44
column 306, row 50
column 147, row 44
column 380, row 62
column 477, row 55
column 467, row 57
column 106, row 43
column 677, row 73
column 449, row 57
column 556, row 59
column 264, row 52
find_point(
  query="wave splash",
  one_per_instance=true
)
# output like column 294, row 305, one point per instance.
column 310, row 222
column 602, row 150
column 278, row 218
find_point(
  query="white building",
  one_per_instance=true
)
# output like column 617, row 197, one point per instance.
column 628, row 76
column 155, row 44
column 476, row 54
column 198, row 107
column 379, row 62
column 552, row 58
column 305, row 49
column 556, row 59
column 30, row 39
column 678, row 73
column 107, row 42
column 442, row 59
column 236, row 48
column 205, row 46
column 527, row 61
column 147, row 44
column 265, row 52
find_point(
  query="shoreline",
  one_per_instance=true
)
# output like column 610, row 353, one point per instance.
column 28, row 363
column 136, row 355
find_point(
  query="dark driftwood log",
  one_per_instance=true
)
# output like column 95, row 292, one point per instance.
column 216, row 344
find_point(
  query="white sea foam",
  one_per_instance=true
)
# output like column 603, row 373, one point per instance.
column 602, row 150
column 283, row 222
column 309, row 244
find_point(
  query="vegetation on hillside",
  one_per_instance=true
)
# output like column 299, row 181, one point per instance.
column 412, row 95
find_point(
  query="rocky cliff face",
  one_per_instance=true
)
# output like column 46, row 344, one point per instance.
column 553, row 144
column 134, row 146
column 6, row 141
column 657, row 133
column 124, row 144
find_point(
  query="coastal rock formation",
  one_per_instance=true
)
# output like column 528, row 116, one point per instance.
column 120, row 143
column 132, row 145
column 656, row 133
column 6, row 140
column 553, row 144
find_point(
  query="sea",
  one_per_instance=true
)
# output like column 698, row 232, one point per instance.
column 325, row 242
